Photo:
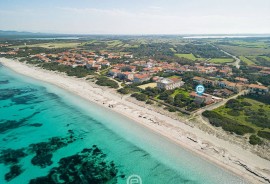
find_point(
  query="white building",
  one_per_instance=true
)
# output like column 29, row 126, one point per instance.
column 170, row 83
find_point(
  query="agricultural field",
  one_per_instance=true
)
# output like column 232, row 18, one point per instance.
column 188, row 56
column 246, row 60
column 245, row 48
column 265, row 57
column 173, row 50
column 151, row 85
column 51, row 45
column 221, row 60
column 260, row 60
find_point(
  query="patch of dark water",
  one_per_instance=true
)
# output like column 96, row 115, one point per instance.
column 88, row 166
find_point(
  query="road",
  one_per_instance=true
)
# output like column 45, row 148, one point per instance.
column 237, row 60
column 199, row 115
column 223, row 102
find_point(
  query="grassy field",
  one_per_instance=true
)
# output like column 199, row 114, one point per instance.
column 180, row 91
column 242, row 118
column 246, row 60
column 244, row 51
column 250, row 44
column 189, row 56
column 254, row 59
column 265, row 57
column 151, row 85
column 114, row 43
column 172, row 49
column 51, row 45
column 221, row 60
column 245, row 47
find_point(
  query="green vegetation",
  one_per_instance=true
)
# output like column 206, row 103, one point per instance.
column 246, row 60
column 178, row 97
column 250, row 50
column 264, row 99
column 263, row 60
column 264, row 134
column 50, row 45
column 253, row 76
column 140, row 96
column 226, row 123
column 221, row 60
column 181, row 91
column 244, row 51
column 200, row 50
column 104, row 81
column 188, row 56
column 242, row 115
column 70, row 71
column 253, row 139
column 129, row 89
column 124, row 91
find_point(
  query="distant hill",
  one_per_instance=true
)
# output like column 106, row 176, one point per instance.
column 8, row 33
column 23, row 34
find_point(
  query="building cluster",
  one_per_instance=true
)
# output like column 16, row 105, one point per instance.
column 262, row 70
column 139, row 71
column 74, row 59
column 5, row 45
column 231, row 87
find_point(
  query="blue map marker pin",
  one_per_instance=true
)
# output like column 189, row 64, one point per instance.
column 200, row 89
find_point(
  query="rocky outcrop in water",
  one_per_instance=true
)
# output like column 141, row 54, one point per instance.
column 4, row 82
column 44, row 150
column 43, row 154
column 12, row 124
column 11, row 156
column 15, row 171
column 12, row 93
column 88, row 166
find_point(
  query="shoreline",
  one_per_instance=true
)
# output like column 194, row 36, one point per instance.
column 232, row 158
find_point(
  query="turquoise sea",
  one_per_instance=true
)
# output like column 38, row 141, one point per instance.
column 48, row 135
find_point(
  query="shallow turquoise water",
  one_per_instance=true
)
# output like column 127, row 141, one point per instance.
column 133, row 148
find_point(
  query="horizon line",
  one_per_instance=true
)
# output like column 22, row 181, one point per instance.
column 135, row 34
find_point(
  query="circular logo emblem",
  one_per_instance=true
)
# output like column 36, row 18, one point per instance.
column 134, row 179
column 200, row 89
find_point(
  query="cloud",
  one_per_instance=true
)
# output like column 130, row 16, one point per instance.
column 155, row 20
column 140, row 19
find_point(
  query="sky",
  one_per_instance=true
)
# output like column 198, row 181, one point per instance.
column 136, row 16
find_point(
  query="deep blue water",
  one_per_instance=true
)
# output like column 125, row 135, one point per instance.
column 32, row 112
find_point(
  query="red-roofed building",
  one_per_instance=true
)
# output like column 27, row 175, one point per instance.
column 139, row 78
column 114, row 72
column 258, row 89
column 202, row 99
column 240, row 79
column 264, row 72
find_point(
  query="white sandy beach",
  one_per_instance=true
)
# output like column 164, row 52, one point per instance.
column 230, row 156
